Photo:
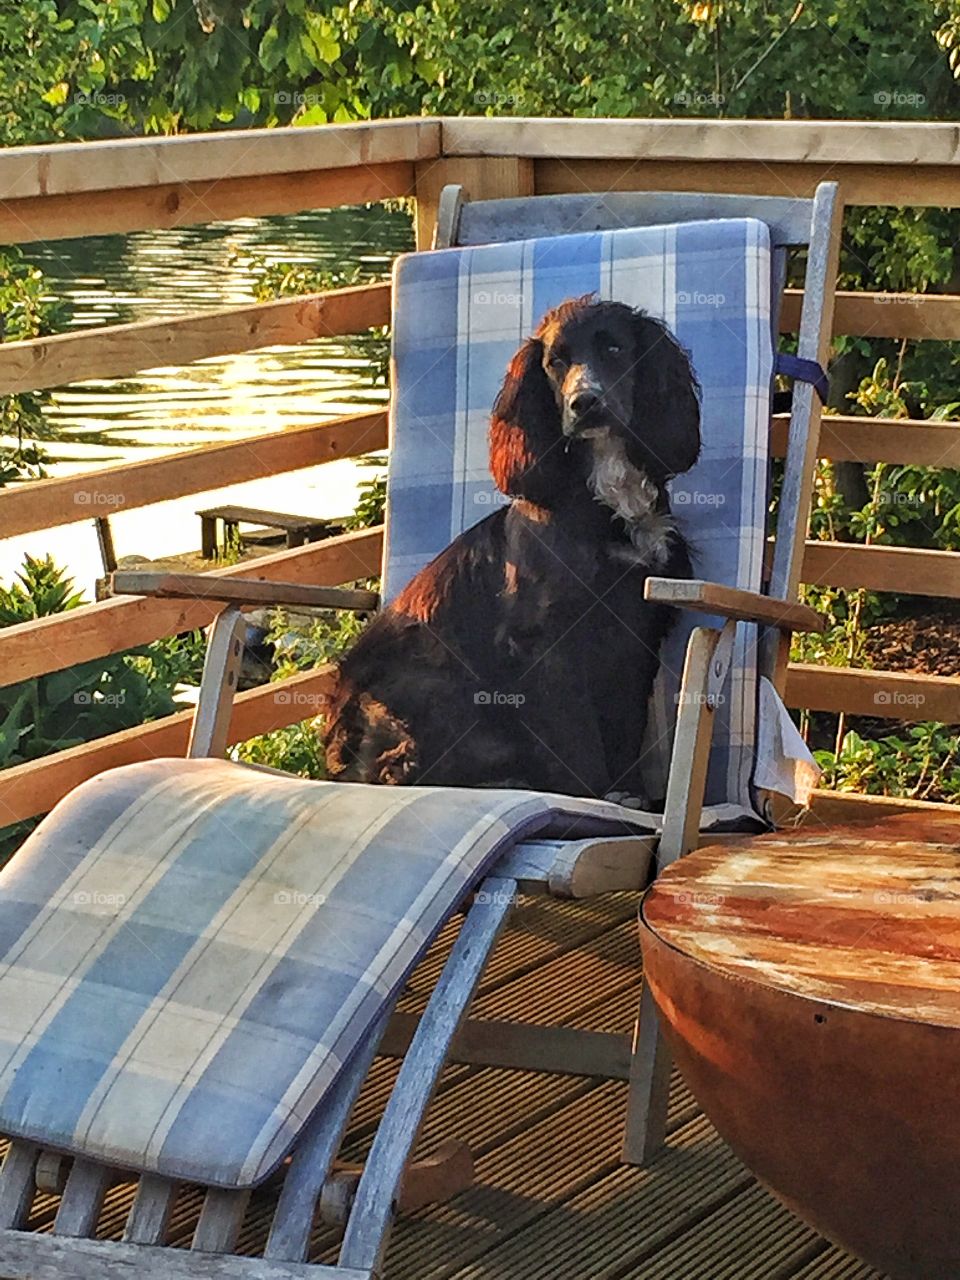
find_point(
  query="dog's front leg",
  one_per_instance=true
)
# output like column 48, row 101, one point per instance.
column 561, row 727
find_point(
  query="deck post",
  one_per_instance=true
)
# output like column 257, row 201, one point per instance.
column 482, row 178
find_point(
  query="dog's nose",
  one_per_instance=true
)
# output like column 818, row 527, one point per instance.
column 581, row 402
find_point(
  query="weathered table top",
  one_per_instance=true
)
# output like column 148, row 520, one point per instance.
column 867, row 918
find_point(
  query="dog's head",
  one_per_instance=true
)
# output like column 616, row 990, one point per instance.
column 592, row 370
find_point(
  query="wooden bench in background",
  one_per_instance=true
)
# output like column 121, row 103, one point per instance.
column 298, row 529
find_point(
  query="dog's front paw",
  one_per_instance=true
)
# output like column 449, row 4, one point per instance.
column 635, row 800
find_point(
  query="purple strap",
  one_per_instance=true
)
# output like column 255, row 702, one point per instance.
column 804, row 371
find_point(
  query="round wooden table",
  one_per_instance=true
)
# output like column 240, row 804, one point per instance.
column 809, row 986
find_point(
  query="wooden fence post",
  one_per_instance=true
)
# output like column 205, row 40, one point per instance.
column 482, row 178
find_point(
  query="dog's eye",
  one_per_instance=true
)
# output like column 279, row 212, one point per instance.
column 613, row 348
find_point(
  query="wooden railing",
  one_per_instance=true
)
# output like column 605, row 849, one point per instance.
column 63, row 191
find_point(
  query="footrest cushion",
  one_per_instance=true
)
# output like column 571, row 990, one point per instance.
column 191, row 950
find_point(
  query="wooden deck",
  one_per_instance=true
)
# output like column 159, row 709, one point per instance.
column 551, row 1200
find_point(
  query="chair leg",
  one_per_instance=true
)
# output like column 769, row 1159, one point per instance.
column 365, row 1239
column 704, row 670
column 649, row 1090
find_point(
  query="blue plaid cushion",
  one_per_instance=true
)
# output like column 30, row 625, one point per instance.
column 192, row 950
column 459, row 316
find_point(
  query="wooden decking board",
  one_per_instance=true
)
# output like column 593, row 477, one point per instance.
column 605, row 1225
column 834, row 1264
column 612, row 961
column 552, row 1201
column 541, row 929
column 750, row 1237
column 516, row 1183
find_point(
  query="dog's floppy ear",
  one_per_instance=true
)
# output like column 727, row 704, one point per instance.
column 666, row 416
column 526, row 445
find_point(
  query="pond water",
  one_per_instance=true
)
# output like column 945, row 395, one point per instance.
column 161, row 274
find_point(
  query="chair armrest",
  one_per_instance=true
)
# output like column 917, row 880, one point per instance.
column 239, row 591
column 732, row 602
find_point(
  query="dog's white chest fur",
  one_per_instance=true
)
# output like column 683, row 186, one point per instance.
column 619, row 485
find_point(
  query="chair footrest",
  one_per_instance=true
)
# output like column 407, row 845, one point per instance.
column 522, row 1046
column 25, row 1255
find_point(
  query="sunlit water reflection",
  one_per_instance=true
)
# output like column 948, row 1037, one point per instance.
column 161, row 274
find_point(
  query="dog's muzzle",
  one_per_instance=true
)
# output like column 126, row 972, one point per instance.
column 584, row 411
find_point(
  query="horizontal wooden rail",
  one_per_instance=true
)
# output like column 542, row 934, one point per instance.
column 885, row 315
column 921, row 443
column 31, row 649
column 35, row 787
column 30, row 789
column 183, row 204
column 117, row 350
column 890, row 695
column 45, row 504
column 905, row 570
column 897, row 143
column 836, row 808
column 921, row 185
column 118, row 164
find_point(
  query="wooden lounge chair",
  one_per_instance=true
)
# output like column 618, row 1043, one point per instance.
column 168, row 920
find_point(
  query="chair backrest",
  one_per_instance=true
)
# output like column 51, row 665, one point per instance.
column 459, row 316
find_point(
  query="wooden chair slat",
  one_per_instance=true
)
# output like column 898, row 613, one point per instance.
column 365, row 1239
column 289, row 1237
column 220, row 1220
column 82, row 1199
column 151, row 1209
column 17, row 1184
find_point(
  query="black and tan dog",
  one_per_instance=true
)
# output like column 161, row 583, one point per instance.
column 524, row 654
